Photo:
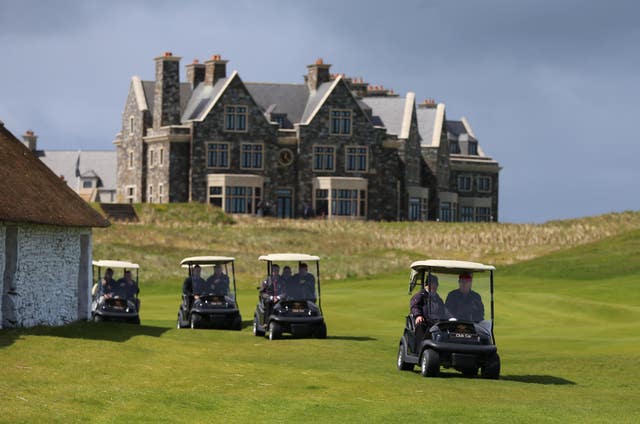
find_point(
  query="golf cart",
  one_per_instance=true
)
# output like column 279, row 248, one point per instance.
column 458, row 336
column 209, row 301
column 288, row 303
column 118, row 300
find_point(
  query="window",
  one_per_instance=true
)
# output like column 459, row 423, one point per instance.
column 484, row 184
column 454, row 147
column 415, row 209
column 130, row 162
column 130, row 194
column 215, row 196
column 322, row 202
column 340, row 122
column 357, row 159
column 483, row 214
column 161, row 157
column 251, row 156
column 150, row 194
column 218, row 155
column 324, row 158
column 464, row 183
column 239, row 199
column 347, row 202
column 473, row 148
column 160, row 193
column 446, row 212
column 131, row 125
column 235, row 118
column 87, row 184
column 152, row 158
column 466, row 213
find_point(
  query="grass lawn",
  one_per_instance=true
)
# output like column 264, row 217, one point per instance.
column 567, row 329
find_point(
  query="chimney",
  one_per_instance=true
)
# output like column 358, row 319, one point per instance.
column 215, row 68
column 427, row 104
column 166, row 101
column 195, row 73
column 318, row 74
column 30, row 140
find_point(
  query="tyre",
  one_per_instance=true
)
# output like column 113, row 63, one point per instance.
column 135, row 320
column 236, row 325
column 256, row 329
column 275, row 330
column 98, row 318
column 402, row 365
column 491, row 369
column 469, row 372
column 430, row 363
column 320, row 332
column 194, row 321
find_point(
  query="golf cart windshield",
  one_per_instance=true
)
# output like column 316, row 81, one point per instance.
column 216, row 275
column 298, row 275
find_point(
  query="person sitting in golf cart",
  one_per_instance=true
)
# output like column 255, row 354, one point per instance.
column 463, row 303
column 195, row 285
column 218, row 282
column 305, row 283
column 427, row 305
column 127, row 288
column 106, row 286
column 272, row 289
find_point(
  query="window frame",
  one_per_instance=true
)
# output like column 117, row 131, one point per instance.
column 470, row 180
column 130, row 198
column 262, row 153
column 227, row 114
column 346, row 159
column 481, row 189
column 341, row 122
column 152, row 158
column 150, row 196
column 130, row 157
column 324, row 157
column 226, row 143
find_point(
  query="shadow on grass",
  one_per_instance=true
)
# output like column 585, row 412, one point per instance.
column 247, row 323
column 538, row 379
column 352, row 338
column 108, row 331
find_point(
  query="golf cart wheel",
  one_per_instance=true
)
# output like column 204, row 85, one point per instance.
column 275, row 330
column 98, row 318
column 236, row 325
column 135, row 320
column 491, row 369
column 470, row 372
column 430, row 363
column 179, row 320
column 320, row 331
column 256, row 330
column 194, row 321
column 402, row 365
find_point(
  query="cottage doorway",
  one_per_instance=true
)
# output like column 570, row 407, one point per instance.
column 284, row 207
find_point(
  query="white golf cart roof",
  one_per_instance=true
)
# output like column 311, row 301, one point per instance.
column 450, row 267
column 289, row 257
column 206, row 260
column 105, row 263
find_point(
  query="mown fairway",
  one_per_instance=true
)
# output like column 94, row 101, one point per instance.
column 567, row 329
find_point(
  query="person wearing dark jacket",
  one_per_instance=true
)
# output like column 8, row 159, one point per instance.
column 428, row 305
column 463, row 303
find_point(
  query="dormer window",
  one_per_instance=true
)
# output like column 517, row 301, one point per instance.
column 235, row 118
column 87, row 184
column 473, row 148
column 340, row 122
column 454, row 147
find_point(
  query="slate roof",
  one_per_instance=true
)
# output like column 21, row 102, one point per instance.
column 289, row 99
column 426, row 124
column 456, row 127
column 203, row 98
column 149, row 94
column 63, row 163
column 388, row 111
column 315, row 100
column 31, row 192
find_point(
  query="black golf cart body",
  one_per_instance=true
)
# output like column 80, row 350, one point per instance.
column 215, row 310
column 463, row 345
column 117, row 308
column 300, row 316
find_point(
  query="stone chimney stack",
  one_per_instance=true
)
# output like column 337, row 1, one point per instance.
column 195, row 73
column 30, row 140
column 428, row 104
column 215, row 68
column 317, row 75
column 166, row 101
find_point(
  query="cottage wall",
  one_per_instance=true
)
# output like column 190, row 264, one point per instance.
column 51, row 281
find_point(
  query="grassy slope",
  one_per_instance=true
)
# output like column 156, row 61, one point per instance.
column 567, row 328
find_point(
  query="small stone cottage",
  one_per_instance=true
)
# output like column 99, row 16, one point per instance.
column 45, row 242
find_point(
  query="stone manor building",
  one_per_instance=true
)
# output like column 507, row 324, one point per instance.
column 330, row 146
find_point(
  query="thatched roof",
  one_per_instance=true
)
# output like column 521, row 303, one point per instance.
column 31, row 192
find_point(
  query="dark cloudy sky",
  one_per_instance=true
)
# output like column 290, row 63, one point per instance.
column 550, row 87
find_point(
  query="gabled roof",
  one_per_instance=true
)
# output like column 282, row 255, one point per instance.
column 31, row 192
column 316, row 100
column 63, row 163
column 205, row 97
column 456, row 128
column 288, row 99
column 393, row 113
column 430, row 123
column 145, row 93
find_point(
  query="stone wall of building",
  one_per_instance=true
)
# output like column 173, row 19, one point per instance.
column 131, row 141
column 3, row 232
column 44, row 288
column 212, row 129
column 179, row 172
column 158, row 172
